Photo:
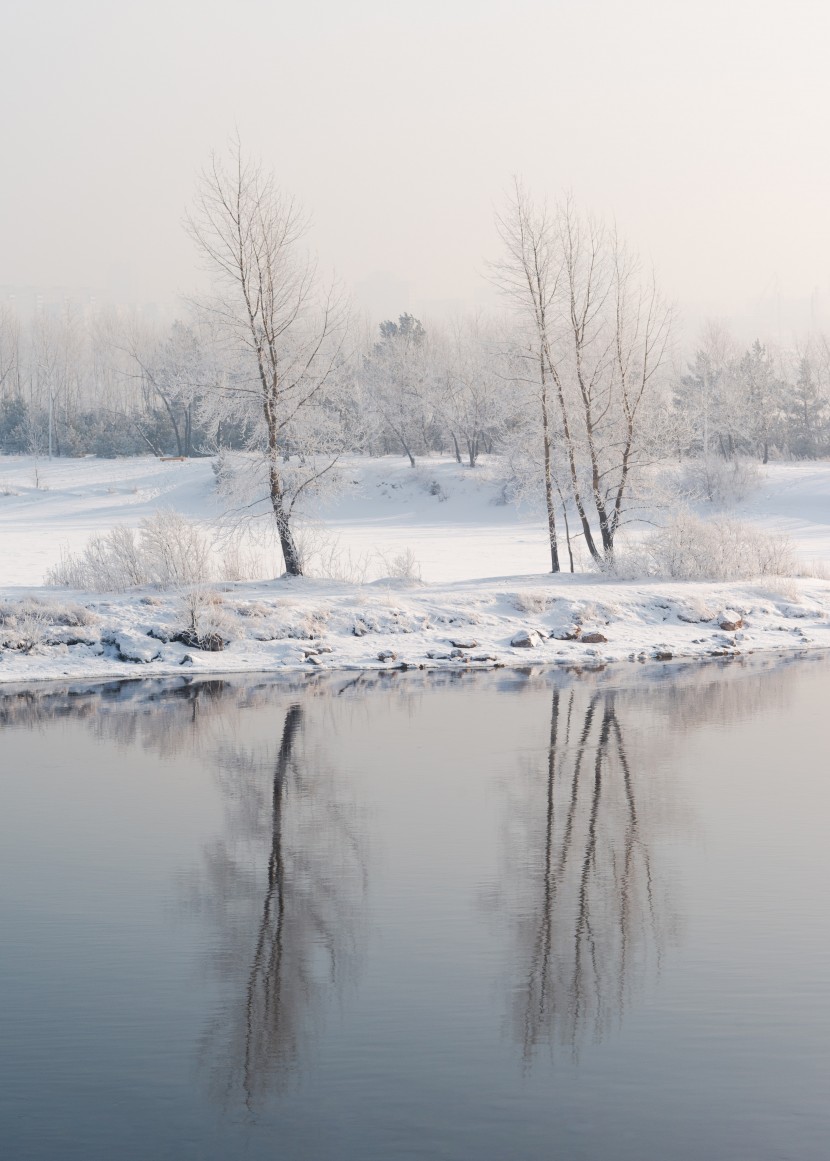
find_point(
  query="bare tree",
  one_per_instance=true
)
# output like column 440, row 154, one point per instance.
column 599, row 338
column 473, row 402
column 529, row 274
column 271, row 308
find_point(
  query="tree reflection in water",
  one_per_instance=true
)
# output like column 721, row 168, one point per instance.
column 283, row 886
column 592, row 921
column 285, row 889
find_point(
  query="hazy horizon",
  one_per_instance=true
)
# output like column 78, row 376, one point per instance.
column 399, row 130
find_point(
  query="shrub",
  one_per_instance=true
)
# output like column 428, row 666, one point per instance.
column 174, row 549
column 403, row 566
column 531, row 601
column 720, row 482
column 168, row 550
column 205, row 616
column 689, row 548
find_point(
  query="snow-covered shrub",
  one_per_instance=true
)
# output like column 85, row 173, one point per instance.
column 204, row 613
column 28, row 631
column 255, row 609
column 531, row 601
column 24, row 625
column 49, row 612
column 783, row 589
column 720, row 482
column 108, row 563
column 168, row 550
column 310, row 626
column 403, row 566
column 24, row 628
column 174, row 549
column 689, row 548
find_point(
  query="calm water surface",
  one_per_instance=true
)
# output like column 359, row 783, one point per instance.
column 502, row 916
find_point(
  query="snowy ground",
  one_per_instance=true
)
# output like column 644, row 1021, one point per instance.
column 483, row 566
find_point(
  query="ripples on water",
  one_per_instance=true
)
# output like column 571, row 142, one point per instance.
column 533, row 915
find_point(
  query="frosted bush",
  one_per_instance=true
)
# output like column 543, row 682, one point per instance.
column 204, row 613
column 26, row 624
column 167, row 550
column 108, row 563
column 783, row 590
column 176, row 551
column 531, row 601
column 26, row 630
column 403, row 566
column 720, row 482
column 689, row 548
column 50, row 612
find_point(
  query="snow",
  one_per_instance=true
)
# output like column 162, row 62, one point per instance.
column 484, row 567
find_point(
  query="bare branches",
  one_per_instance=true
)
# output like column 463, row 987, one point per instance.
column 269, row 305
column 600, row 337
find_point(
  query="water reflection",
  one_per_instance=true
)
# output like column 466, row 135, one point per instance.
column 591, row 913
column 586, row 908
column 590, row 917
column 284, row 887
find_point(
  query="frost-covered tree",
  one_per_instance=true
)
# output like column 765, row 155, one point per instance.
column 176, row 370
column 475, row 399
column 808, row 409
column 400, row 379
column 529, row 274
column 282, row 332
column 763, row 392
column 595, row 334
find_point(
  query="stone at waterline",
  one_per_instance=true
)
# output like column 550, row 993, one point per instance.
column 524, row 639
column 572, row 633
column 134, row 647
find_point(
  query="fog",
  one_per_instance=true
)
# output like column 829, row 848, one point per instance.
column 701, row 128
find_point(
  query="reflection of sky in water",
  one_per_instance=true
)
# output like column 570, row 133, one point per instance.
column 509, row 915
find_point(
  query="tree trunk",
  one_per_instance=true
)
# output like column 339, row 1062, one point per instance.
column 554, row 547
column 457, row 449
column 566, row 428
column 567, row 527
column 290, row 552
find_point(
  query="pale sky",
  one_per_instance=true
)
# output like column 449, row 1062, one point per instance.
column 702, row 127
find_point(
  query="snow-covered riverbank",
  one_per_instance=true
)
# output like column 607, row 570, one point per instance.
column 485, row 600
column 515, row 621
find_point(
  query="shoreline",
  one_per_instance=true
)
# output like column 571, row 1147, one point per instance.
column 304, row 626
